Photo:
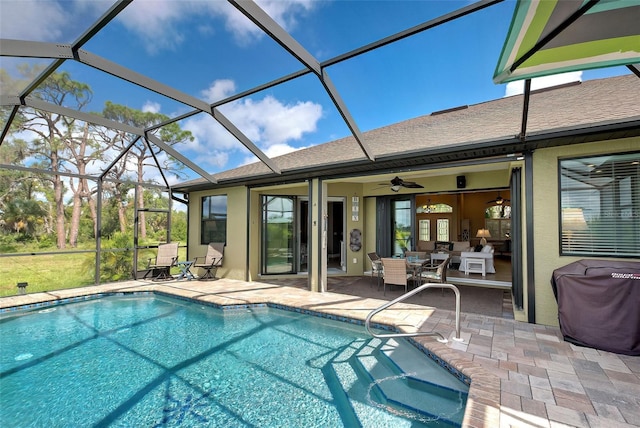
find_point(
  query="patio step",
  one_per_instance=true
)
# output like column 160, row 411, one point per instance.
column 399, row 379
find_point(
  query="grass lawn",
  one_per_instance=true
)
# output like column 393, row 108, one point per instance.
column 57, row 271
column 44, row 273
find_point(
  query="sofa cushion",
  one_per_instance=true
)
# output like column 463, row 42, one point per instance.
column 460, row 246
column 426, row 246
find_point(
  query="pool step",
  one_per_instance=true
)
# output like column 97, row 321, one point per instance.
column 410, row 359
column 400, row 379
column 359, row 404
column 408, row 378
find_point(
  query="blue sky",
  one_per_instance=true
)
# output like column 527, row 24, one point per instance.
column 209, row 50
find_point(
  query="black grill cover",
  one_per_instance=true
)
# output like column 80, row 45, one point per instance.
column 599, row 304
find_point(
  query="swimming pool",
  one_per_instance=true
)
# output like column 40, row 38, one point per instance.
column 155, row 361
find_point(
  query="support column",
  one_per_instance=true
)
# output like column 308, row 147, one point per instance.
column 318, row 245
column 96, row 279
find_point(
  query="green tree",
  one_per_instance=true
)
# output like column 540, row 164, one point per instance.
column 141, row 154
column 114, row 265
column 20, row 211
column 54, row 136
column 179, row 226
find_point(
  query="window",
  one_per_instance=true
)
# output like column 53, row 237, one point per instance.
column 430, row 208
column 424, row 230
column 499, row 228
column 442, row 225
column 498, row 221
column 214, row 219
column 600, row 205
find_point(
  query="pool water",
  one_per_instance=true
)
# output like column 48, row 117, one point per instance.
column 153, row 361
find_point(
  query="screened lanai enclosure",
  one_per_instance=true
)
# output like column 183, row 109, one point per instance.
column 106, row 106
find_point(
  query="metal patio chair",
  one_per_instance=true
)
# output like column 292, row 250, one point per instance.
column 376, row 267
column 211, row 262
column 436, row 274
column 166, row 258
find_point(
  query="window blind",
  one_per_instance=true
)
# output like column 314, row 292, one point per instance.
column 600, row 205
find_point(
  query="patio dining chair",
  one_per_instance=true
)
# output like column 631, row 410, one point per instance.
column 211, row 262
column 166, row 258
column 395, row 273
column 376, row 267
column 436, row 274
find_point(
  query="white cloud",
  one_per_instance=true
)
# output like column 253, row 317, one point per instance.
column 284, row 12
column 517, row 87
column 269, row 123
column 156, row 22
column 46, row 20
column 218, row 90
column 209, row 134
column 41, row 21
column 272, row 152
column 159, row 23
column 151, row 107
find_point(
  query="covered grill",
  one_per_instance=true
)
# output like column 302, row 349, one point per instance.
column 599, row 304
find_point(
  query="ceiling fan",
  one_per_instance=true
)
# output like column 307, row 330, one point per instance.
column 499, row 200
column 397, row 183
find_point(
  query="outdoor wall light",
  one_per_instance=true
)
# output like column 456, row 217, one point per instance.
column 22, row 287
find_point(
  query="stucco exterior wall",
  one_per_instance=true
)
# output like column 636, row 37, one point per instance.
column 369, row 231
column 354, row 260
column 546, row 225
column 234, row 264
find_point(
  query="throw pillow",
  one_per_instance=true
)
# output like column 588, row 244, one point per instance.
column 477, row 248
column 443, row 246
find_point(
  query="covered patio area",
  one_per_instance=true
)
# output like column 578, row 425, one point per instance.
column 489, row 295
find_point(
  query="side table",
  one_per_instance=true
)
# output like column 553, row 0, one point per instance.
column 185, row 270
column 475, row 266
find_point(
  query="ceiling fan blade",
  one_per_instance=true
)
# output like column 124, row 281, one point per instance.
column 412, row 185
column 397, row 181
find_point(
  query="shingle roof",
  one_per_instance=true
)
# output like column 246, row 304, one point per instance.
column 566, row 109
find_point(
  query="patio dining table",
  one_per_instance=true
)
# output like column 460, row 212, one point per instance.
column 415, row 266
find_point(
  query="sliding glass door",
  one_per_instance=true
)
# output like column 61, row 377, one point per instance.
column 278, row 234
column 402, row 225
